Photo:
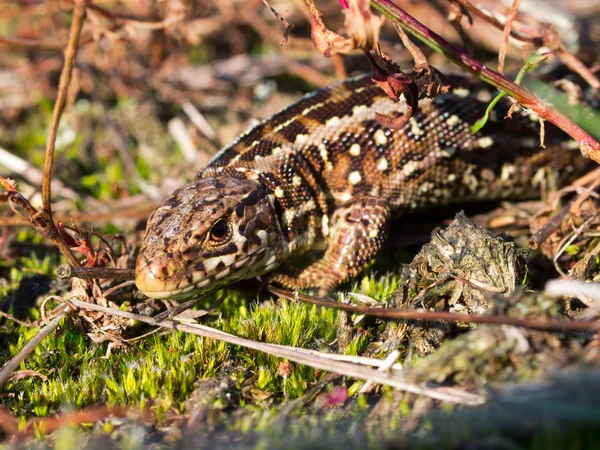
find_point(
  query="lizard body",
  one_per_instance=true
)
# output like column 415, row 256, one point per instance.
column 324, row 168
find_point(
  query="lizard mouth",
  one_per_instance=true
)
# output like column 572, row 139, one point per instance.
column 162, row 278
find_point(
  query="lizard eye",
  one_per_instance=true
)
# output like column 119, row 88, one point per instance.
column 219, row 231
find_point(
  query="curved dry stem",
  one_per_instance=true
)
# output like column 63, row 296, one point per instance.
column 65, row 79
column 441, row 316
column 61, row 98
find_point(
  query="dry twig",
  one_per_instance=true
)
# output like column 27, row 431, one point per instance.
column 61, row 98
column 521, row 35
column 442, row 316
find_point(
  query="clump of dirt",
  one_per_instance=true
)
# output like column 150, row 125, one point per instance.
column 457, row 271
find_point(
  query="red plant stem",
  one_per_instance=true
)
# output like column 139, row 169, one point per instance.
column 588, row 145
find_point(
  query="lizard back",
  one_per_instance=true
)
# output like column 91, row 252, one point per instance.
column 325, row 168
column 328, row 148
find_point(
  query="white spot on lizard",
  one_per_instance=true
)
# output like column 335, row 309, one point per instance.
column 354, row 177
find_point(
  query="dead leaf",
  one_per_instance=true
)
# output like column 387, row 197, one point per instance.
column 20, row 374
column 362, row 28
column 325, row 40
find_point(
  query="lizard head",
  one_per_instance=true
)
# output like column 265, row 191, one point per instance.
column 211, row 232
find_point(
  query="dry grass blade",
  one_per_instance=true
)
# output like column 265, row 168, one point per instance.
column 341, row 367
column 387, row 365
column 12, row 365
column 574, row 288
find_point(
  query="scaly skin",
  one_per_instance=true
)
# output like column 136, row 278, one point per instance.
column 324, row 168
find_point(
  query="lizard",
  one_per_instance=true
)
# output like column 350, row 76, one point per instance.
column 325, row 169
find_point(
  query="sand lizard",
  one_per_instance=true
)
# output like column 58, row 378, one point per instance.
column 324, row 168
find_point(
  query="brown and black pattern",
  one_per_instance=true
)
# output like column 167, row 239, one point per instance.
column 324, row 168
column 219, row 223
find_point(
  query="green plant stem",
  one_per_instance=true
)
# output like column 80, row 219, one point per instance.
column 588, row 146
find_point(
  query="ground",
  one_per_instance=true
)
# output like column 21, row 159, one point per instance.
column 156, row 90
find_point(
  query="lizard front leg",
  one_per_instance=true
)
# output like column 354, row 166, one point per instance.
column 358, row 229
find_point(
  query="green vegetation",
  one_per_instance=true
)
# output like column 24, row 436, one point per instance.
column 159, row 372
column 116, row 150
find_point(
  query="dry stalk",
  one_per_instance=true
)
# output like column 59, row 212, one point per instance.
column 442, row 316
column 354, row 370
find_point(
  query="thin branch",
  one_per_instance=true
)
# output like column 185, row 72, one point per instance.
column 90, row 273
column 584, row 196
column 441, row 316
column 587, row 178
column 571, row 61
column 61, row 98
column 14, row 319
column 65, row 78
column 535, row 39
column 21, row 206
column 31, row 43
column 118, row 287
column 570, row 238
column 549, row 227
